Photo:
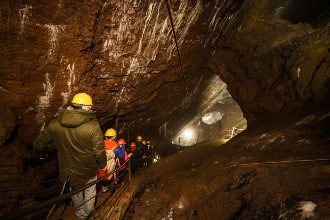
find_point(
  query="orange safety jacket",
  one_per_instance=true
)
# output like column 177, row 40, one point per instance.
column 109, row 145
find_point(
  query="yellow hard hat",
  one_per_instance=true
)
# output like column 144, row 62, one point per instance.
column 144, row 142
column 110, row 132
column 82, row 99
column 139, row 138
column 148, row 142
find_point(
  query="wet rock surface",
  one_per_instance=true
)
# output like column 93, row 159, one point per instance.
column 273, row 57
column 124, row 54
column 283, row 174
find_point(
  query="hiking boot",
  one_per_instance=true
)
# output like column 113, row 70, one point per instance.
column 104, row 189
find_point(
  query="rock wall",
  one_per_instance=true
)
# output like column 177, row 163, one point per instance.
column 273, row 66
column 124, row 54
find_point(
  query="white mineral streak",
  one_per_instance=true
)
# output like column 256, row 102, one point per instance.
column 298, row 72
column 43, row 101
column 307, row 209
column 122, row 96
column 2, row 89
column 156, row 32
column 69, row 82
column 107, row 46
column 191, row 19
column 153, row 45
column 147, row 20
column 158, row 35
column 218, row 22
column 136, row 3
column 135, row 65
column 213, row 24
column 155, row 37
column 185, row 18
column 24, row 14
column 53, row 32
column 230, row 19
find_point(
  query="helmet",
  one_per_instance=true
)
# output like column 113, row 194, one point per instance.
column 82, row 99
column 144, row 142
column 148, row 142
column 139, row 138
column 132, row 146
column 121, row 141
column 110, row 132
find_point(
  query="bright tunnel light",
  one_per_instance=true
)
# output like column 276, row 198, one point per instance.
column 186, row 137
column 188, row 134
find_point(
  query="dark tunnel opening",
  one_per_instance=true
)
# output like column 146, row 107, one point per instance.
column 316, row 13
column 214, row 114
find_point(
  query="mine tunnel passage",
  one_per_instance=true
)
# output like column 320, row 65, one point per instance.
column 273, row 55
column 219, row 117
column 303, row 11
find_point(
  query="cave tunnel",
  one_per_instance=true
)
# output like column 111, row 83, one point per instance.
column 233, row 96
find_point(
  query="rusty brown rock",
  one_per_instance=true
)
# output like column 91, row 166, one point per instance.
column 7, row 124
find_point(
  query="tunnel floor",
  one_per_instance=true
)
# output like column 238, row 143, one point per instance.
column 109, row 204
column 262, row 173
column 259, row 174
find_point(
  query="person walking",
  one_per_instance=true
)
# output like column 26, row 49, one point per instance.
column 141, row 150
column 78, row 139
column 112, row 163
column 149, row 153
column 134, row 157
column 145, row 156
column 121, row 154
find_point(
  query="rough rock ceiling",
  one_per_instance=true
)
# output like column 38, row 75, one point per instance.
column 124, row 54
column 273, row 56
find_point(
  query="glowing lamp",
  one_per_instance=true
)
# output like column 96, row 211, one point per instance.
column 188, row 133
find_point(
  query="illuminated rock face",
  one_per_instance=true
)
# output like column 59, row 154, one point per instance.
column 124, row 54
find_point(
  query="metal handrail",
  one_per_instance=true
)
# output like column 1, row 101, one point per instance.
column 25, row 211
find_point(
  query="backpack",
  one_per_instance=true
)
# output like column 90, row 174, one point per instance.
column 111, row 164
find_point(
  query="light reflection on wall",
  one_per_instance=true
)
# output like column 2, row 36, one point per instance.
column 211, row 117
column 186, row 137
column 218, row 114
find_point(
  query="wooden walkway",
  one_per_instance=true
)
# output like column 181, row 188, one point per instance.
column 108, row 205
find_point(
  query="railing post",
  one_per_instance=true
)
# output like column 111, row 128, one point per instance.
column 129, row 169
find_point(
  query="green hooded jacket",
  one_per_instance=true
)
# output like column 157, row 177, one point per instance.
column 78, row 139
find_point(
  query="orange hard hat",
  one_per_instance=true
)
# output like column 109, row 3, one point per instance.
column 132, row 146
column 121, row 141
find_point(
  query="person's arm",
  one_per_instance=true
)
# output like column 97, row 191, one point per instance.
column 99, row 148
column 43, row 140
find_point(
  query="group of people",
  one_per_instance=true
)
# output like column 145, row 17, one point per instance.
column 116, row 158
column 142, row 152
column 117, row 151
column 85, row 153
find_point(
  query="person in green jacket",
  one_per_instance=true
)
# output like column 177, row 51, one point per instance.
column 78, row 139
